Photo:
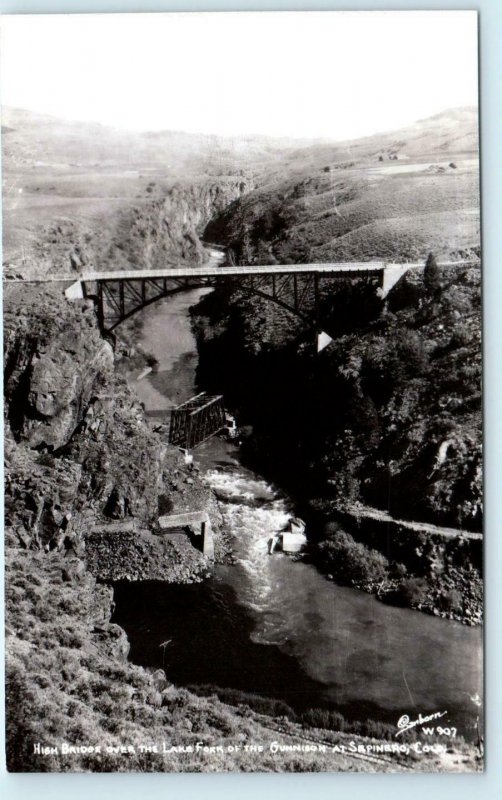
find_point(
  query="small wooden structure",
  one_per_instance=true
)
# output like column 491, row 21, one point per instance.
column 196, row 420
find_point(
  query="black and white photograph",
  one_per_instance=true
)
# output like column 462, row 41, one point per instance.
column 242, row 392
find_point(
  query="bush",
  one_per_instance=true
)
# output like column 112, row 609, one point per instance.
column 165, row 504
column 323, row 718
column 350, row 561
column 414, row 592
column 151, row 360
column 412, row 355
column 450, row 601
column 399, row 570
column 46, row 460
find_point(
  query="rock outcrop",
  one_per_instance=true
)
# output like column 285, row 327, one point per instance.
column 78, row 447
column 54, row 365
column 166, row 228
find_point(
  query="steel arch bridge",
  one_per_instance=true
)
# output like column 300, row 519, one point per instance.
column 296, row 288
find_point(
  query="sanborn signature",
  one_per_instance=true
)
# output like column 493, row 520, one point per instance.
column 404, row 723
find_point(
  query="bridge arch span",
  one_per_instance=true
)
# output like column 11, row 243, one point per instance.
column 296, row 289
column 109, row 322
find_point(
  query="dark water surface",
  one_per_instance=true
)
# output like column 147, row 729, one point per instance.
column 275, row 627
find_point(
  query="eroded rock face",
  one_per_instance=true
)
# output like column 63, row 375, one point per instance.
column 55, row 361
column 62, row 383
column 166, row 229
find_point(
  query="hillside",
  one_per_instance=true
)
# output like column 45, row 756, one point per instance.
column 73, row 192
column 70, row 190
column 74, row 183
column 32, row 137
column 395, row 196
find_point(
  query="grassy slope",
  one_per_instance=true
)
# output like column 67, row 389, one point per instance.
column 80, row 184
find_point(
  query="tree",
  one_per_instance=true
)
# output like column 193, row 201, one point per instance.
column 432, row 278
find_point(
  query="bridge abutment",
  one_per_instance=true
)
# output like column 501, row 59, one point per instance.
column 392, row 273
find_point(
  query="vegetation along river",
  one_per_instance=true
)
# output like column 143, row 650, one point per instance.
column 272, row 626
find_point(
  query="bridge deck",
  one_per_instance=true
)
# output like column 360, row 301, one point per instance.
column 184, row 271
column 214, row 271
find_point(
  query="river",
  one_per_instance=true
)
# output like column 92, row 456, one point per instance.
column 273, row 626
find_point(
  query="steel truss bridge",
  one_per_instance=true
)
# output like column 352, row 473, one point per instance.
column 196, row 420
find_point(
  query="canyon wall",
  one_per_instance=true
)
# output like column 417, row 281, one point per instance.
column 388, row 414
column 160, row 227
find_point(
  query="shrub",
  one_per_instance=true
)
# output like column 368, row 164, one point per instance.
column 165, row 504
column 151, row 360
column 323, row 718
column 461, row 336
column 412, row 355
column 46, row 460
column 399, row 570
column 414, row 591
column 350, row 561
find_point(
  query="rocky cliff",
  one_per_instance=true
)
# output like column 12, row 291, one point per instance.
column 55, row 364
column 79, row 450
column 165, row 227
